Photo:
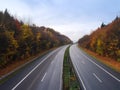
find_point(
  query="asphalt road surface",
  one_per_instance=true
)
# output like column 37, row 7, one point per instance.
column 92, row 74
column 42, row 74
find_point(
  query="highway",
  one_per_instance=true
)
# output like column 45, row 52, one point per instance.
column 92, row 74
column 44, row 73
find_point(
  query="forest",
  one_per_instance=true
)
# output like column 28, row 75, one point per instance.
column 19, row 41
column 104, row 41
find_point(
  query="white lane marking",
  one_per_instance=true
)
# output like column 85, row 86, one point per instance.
column 30, row 72
column 97, row 78
column 80, row 79
column 102, row 68
column 75, row 66
column 43, row 77
column 83, row 62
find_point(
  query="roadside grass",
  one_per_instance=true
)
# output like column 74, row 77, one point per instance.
column 70, row 81
column 115, row 65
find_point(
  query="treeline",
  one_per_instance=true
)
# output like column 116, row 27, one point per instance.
column 18, row 40
column 105, row 40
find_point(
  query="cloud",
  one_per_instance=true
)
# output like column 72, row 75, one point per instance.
column 73, row 18
column 15, row 6
column 48, row 14
column 76, row 30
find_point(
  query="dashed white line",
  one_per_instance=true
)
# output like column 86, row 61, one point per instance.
column 97, row 78
column 30, row 72
column 83, row 62
column 43, row 77
column 102, row 68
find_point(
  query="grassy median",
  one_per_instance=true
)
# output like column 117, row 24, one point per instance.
column 69, row 79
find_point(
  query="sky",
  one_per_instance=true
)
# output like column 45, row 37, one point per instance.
column 73, row 18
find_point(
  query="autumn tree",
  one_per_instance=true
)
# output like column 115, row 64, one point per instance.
column 19, row 41
column 105, row 40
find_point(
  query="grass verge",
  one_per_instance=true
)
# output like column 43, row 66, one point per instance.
column 69, row 79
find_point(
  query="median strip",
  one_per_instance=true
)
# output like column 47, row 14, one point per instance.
column 70, row 81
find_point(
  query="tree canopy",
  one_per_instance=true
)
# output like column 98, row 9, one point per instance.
column 19, row 40
column 105, row 40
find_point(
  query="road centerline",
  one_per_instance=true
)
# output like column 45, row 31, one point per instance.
column 97, row 77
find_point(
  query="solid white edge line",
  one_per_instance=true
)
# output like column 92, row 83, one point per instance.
column 102, row 68
column 29, row 73
column 75, row 66
column 81, row 79
column 97, row 78
column 43, row 77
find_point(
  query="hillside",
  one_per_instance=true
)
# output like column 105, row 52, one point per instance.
column 18, row 40
column 104, row 41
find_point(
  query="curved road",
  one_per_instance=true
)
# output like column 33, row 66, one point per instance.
column 42, row 74
column 92, row 74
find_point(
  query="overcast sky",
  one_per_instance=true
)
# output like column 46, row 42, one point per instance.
column 74, row 18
